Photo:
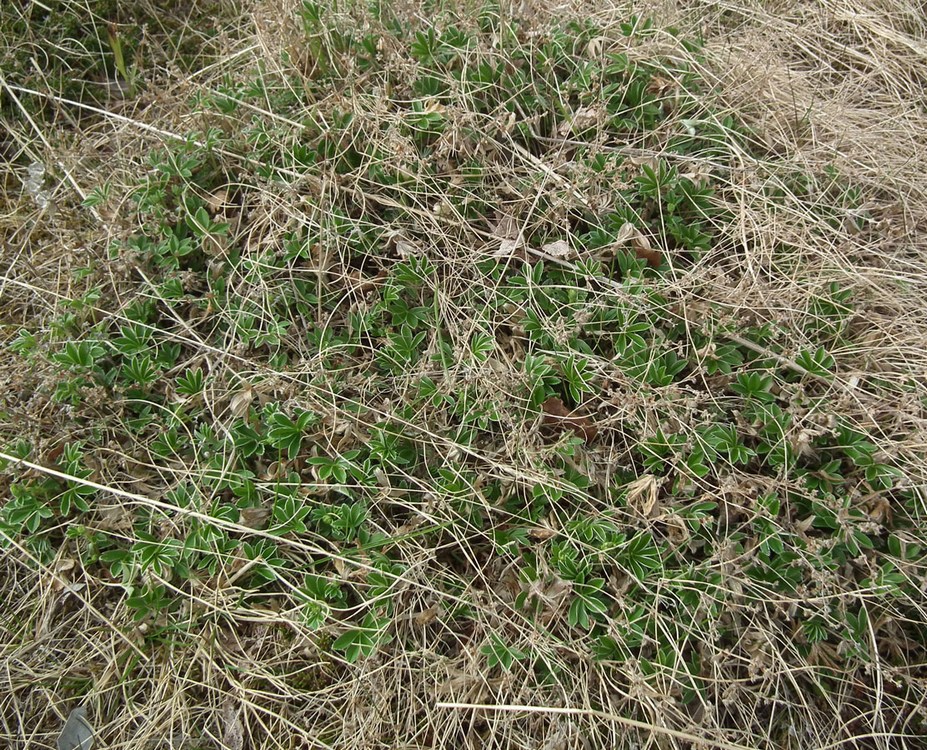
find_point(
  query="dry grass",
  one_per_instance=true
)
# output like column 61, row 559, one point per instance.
column 822, row 85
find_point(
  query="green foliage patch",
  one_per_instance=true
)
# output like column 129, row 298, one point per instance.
column 416, row 288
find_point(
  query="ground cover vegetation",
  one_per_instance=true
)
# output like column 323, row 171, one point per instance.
column 386, row 375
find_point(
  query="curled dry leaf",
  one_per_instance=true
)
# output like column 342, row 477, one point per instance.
column 660, row 85
column 631, row 235
column 557, row 414
column 361, row 284
column 596, row 47
column 582, row 119
column 62, row 577
column 218, row 199
column 427, row 616
column 645, row 159
column 241, row 401
column 698, row 174
column 507, row 228
column 541, row 534
column 254, row 518
column 642, row 495
column 406, row 249
column 511, row 239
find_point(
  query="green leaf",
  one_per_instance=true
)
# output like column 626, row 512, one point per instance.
column 481, row 346
column 121, row 562
column 754, row 385
column 247, row 441
column 497, row 652
column 815, row 630
column 640, row 556
column 191, row 382
column 134, row 339
column 140, row 369
column 361, row 642
column 80, row 356
column 587, row 604
column 335, row 469
column 817, row 362
column 97, row 196
column 159, row 557
column 27, row 509
column 149, row 600
column 286, row 434
column 24, row 343
column 577, row 377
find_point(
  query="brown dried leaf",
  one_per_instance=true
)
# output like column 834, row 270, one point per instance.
column 660, row 85
column 596, row 46
column 218, row 199
column 507, row 228
column 630, row 234
column 255, row 518
column 406, row 249
column 427, row 616
column 541, row 534
column 556, row 413
column 627, row 232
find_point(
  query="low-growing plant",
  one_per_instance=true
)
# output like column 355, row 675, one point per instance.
column 411, row 352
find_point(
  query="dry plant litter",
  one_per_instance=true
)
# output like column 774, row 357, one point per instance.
column 463, row 374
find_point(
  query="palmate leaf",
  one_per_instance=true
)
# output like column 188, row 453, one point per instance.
column 360, row 642
column 159, row 557
column 26, row 510
column 356, row 644
column 286, row 434
column 640, row 556
column 499, row 652
column 587, row 604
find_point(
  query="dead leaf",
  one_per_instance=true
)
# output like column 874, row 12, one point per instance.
column 77, row 734
column 511, row 240
column 676, row 529
column 63, row 569
column 406, row 249
column 802, row 525
column 241, row 401
column 582, row 119
column 640, row 161
column 233, row 733
column 427, row 616
column 698, row 174
column 508, row 247
column 255, row 518
column 659, row 85
column 558, row 249
column 506, row 227
column 541, row 534
column 596, row 46
column 556, row 413
column 631, row 235
column 881, row 510
column 642, row 495
column 218, row 199
column 626, row 233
